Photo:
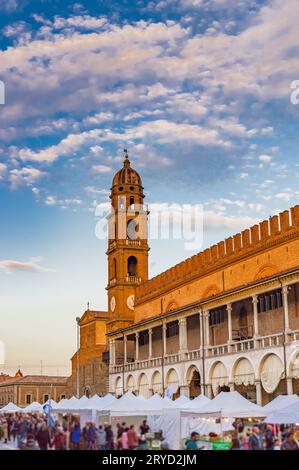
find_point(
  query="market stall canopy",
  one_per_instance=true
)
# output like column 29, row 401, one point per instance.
column 198, row 403
column 158, row 402
column 288, row 415
column 229, row 405
column 182, row 401
column 34, row 407
column 10, row 408
column 280, row 402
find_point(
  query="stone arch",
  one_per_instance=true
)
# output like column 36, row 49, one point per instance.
column 266, row 271
column 211, row 291
column 130, row 383
column 172, row 305
column 156, row 382
column 193, row 380
column 173, row 380
column 271, row 371
column 118, row 387
column 243, row 372
column 143, row 385
column 132, row 266
column 293, row 367
column 219, row 378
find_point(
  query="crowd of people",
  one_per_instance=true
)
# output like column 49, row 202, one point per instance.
column 32, row 432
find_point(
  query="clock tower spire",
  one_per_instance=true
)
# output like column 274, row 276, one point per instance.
column 127, row 244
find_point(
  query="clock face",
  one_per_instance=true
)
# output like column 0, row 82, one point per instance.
column 130, row 302
column 112, row 304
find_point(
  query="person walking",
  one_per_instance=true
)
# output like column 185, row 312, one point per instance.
column 91, row 437
column 75, row 437
column 43, row 437
column 132, row 438
column 59, row 441
column 290, row 443
column 144, row 428
column 191, row 444
column 124, row 439
column 5, row 431
column 109, row 437
column 101, row 438
column 269, row 438
column 255, row 440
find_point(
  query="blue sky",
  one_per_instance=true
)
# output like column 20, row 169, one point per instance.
column 197, row 90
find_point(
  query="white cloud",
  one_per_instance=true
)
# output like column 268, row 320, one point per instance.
column 265, row 158
column 32, row 265
column 101, row 169
column 24, row 176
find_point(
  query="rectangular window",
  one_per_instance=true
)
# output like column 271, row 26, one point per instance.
column 28, row 399
column 143, row 338
column 46, row 397
column 270, row 301
column 172, row 329
column 217, row 316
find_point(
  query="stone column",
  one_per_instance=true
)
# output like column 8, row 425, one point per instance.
column 183, row 335
column 201, row 320
column 255, row 302
column 207, row 327
column 258, row 388
column 164, row 328
column 112, row 352
column 229, row 309
column 285, row 291
column 150, row 343
column 125, row 349
column 136, row 347
column 289, row 386
column 231, row 386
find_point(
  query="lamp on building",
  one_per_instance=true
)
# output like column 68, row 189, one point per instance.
column 78, row 361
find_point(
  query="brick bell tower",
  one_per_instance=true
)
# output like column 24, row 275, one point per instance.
column 127, row 245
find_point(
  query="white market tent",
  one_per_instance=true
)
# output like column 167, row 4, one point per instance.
column 34, row 407
column 280, row 402
column 288, row 415
column 204, row 426
column 197, row 403
column 182, row 401
column 10, row 408
column 228, row 405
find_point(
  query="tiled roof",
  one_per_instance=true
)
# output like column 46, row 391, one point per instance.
column 35, row 379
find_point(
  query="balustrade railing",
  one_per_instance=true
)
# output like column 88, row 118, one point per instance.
column 211, row 351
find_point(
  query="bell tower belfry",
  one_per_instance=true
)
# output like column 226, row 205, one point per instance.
column 127, row 245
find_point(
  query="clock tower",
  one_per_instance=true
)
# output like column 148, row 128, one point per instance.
column 127, row 245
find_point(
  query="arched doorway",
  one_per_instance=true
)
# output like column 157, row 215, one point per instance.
column 219, row 378
column 157, row 386
column 194, row 382
column 173, row 383
column 271, row 373
column 118, row 387
column 143, row 386
column 130, row 384
column 244, row 380
column 295, row 374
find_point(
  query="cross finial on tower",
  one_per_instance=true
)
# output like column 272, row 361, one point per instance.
column 126, row 160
